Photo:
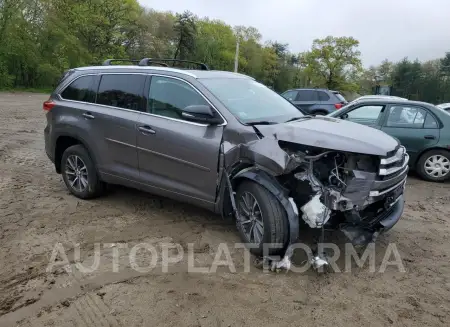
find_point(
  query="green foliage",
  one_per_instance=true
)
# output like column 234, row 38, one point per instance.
column 40, row 39
column 428, row 81
column 186, row 30
column 332, row 61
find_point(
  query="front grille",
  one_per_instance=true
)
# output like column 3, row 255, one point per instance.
column 392, row 172
column 395, row 163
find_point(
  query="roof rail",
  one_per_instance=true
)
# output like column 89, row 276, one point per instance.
column 147, row 61
column 108, row 62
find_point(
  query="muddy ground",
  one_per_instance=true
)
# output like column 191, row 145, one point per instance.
column 37, row 212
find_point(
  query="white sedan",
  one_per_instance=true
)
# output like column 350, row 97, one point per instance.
column 445, row 106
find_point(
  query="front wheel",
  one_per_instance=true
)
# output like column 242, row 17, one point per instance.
column 434, row 165
column 262, row 219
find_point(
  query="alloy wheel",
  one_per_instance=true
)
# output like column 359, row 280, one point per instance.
column 437, row 166
column 251, row 220
column 76, row 172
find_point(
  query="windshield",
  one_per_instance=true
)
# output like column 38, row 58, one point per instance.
column 250, row 101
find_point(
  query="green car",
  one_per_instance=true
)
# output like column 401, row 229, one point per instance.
column 422, row 128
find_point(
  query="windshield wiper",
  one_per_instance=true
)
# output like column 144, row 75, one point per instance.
column 298, row 118
column 261, row 122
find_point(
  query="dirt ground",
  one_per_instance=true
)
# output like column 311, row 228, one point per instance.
column 37, row 212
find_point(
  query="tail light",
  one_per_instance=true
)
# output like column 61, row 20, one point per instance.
column 48, row 105
column 338, row 105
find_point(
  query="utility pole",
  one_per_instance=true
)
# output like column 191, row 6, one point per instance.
column 236, row 57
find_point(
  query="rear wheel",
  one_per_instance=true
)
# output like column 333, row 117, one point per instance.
column 434, row 165
column 262, row 219
column 79, row 173
column 320, row 113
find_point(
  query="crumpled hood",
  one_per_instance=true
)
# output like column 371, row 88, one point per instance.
column 334, row 134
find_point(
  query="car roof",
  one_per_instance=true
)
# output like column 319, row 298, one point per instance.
column 190, row 72
column 310, row 89
column 388, row 100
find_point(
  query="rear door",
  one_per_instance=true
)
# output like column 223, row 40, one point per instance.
column 325, row 102
column 177, row 155
column 414, row 126
column 306, row 99
column 120, row 100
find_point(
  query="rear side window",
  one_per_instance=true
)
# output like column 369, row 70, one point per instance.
column 122, row 90
column 430, row 122
column 80, row 90
column 406, row 117
column 323, row 96
column 306, row 95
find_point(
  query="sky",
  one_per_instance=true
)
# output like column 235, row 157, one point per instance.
column 391, row 29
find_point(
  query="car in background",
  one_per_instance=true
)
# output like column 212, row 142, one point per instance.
column 387, row 97
column 315, row 101
column 422, row 128
column 444, row 106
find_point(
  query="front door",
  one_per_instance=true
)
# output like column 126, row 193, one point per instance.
column 414, row 126
column 177, row 155
column 369, row 115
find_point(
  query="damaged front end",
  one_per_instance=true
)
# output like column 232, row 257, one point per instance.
column 359, row 194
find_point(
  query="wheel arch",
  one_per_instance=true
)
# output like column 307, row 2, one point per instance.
column 422, row 152
column 315, row 111
column 66, row 140
column 270, row 183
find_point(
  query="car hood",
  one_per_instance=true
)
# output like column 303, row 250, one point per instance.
column 334, row 134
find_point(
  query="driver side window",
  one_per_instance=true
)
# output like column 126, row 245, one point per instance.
column 365, row 114
column 169, row 96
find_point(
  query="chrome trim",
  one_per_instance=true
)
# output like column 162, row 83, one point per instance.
column 225, row 122
column 394, row 158
column 121, row 143
column 384, row 171
column 378, row 193
column 168, row 69
column 175, row 159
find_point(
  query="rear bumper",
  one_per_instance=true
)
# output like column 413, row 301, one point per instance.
column 48, row 144
column 365, row 233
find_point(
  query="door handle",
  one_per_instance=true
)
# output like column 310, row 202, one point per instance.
column 88, row 115
column 430, row 137
column 146, row 130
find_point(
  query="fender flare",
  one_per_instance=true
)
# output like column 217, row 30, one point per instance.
column 271, row 184
column 78, row 137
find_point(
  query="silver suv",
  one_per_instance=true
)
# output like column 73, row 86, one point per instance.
column 224, row 142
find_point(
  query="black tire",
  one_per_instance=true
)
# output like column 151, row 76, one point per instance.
column 274, row 217
column 320, row 113
column 421, row 165
column 95, row 187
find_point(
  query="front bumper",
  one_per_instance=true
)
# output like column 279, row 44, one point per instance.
column 367, row 232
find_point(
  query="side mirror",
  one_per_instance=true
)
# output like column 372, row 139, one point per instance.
column 344, row 116
column 201, row 114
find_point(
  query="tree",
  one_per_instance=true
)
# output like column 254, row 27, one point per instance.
column 331, row 61
column 186, row 29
